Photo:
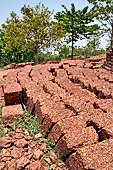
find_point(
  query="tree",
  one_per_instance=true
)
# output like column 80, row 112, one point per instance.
column 104, row 14
column 15, row 47
column 1, row 45
column 93, row 43
column 63, row 51
column 34, row 31
column 77, row 24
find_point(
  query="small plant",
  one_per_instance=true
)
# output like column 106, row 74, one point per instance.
column 31, row 127
column 29, row 123
column 49, row 148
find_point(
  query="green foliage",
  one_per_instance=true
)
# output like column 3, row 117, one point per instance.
column 104, row 11
column 91, row 48
column 88, row 50
column 1, row 45
column 1, row 68
column 16, row 55
column 27, row 38
column 63, row 51
column 11, row 51
column 104, row 14
column 35, row 31
column 77, row 23
column 45, row 56
column 49, row 148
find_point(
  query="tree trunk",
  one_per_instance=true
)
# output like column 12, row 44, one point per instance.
column 35, row 56
column 72, row 44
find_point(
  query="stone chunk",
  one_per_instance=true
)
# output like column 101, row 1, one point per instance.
column 97, row 58
column 22, row 162
column 38, row 154
column 34, row 166
column 21, row 143
column 43, row 147
column 2, row 165
column 11, row 76
column 17, row 135
column 53, row 157
column 97, row 156
column 11, row 113
column 65, row 126
column 12, row 164
column 5, row 153
column 14, row 65
column 1, row 96
column 24, row 64
column 77, row 138
column 59, row 113
column 10, row 66
column 6, row 142
column 16, row 152
column 12, row 93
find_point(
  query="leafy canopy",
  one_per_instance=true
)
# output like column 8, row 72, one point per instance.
column 77, row 23
column 104, row 12
column 34, row 31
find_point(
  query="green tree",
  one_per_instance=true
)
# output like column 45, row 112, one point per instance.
column 1, row 45
column 93, row 43
column 79, row 51
column 34, row 31
column 104, row 14
column 77, row 23
column 13, row 39
column 63, row 51
column 40, row 32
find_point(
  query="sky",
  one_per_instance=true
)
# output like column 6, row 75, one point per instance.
column 7, row 6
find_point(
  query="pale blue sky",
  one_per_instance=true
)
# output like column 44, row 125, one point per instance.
column 6, row 6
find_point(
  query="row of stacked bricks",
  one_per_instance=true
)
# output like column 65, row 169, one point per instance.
column 13, row 94
column 74, row 109
column 109, row 61
column 98, row 82
column 70, row 122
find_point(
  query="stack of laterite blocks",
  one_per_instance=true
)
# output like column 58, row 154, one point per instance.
column 13, row 98
column 73, row 104
column 109, row 61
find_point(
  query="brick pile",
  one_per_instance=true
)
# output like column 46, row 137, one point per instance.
column 20, row 65
column 11, row 113
column 109, row 61
column 73, row 102
column 12, row 89
column 27, row 152
column 96, row 156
